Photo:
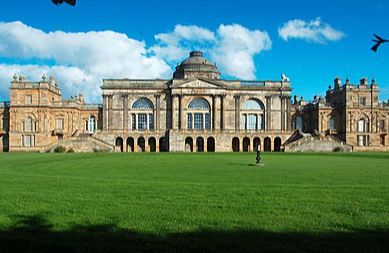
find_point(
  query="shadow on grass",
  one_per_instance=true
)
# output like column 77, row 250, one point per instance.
column 35, row 234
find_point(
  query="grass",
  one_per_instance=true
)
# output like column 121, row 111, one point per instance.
column 194, row 202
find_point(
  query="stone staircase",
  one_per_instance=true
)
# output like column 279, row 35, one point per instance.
column 316, row 142
column 81, row 143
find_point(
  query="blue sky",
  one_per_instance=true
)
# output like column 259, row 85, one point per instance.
column 310, row 65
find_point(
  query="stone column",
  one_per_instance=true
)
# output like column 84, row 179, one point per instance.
column 282, row 98
column 105, row 112
column 125, row 112
column 157, row 111
column 216, row 112
column 222, row 117
column 175, row 115
column 288, row 116
column 181, row 113
column 237, row 112
column 110, row 112
column 268, row 113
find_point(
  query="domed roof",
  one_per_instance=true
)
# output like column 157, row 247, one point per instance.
column 196, row 66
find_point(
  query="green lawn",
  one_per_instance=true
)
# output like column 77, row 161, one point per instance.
column 194, row 202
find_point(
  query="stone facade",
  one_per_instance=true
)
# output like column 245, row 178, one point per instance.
column 349, row 112
column 194, row 111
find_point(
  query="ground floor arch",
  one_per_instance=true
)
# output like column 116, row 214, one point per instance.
column 163, row 144
column 152, row 144
column 119, row 144
column 141, row 144
column 235, row 144
column 189, row 144
column 246, row 144
column 200, row 144
column 267, row 144
column 277, row 144
column 130, row 144
column 256, row 144
column 211, row 144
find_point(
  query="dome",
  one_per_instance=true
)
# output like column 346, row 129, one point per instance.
column 196, row 66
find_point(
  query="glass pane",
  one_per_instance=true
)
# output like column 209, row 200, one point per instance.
column 252, row 122
column 243, row 118
column 142, row 121
column 133, row 121
column 151, row 121
column 189, row 119
column 198, row 121
column 207, row 121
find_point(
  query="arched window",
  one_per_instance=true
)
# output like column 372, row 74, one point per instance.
column 363, row 126
column 142, row 116
column 199, row 116
column 143, row 104
column 28, row 125
column 199, row 104
column 299, row 123
column 332, row 123
column 91, row 124
column 252, row 115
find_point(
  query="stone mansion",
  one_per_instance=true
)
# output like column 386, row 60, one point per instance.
column 195, row 111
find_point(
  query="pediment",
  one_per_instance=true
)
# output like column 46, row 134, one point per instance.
column 199, row 84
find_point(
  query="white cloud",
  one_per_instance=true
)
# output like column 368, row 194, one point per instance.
column 233, row 47
column 313, row 31
column 171, row 46
column 82, row 60
column 236, row 48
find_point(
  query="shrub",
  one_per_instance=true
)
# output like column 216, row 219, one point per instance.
column 60, row 149
column 71, row 150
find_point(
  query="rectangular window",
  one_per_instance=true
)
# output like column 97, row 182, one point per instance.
column 243, row 121
column 381, row 125
column 362, row 100
column 28, row 141
column 363, row 140
column 142, row 121
column 59, row 124
column 151, row 121
column 198, row 121
column 28, row 99
column 252, row 122
column 133, row 121
column 189, row 119
column 207, row 121
column 261, row 122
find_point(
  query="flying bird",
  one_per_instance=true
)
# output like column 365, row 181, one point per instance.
column 71, row 2
column 378, row 40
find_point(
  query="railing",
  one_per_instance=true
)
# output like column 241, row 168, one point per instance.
column 252, row 83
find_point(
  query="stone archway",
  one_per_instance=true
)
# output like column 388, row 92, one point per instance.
column 256, row 143
column 211, row 144
column 189, row 144
column 246, row 144
column 141, row 144
column 119, row 143
column 130, row 144
column 152, row 144
column 267, row 144
column 235, row 144
column 277, row 144
column 200, row 144
column 163, row 144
